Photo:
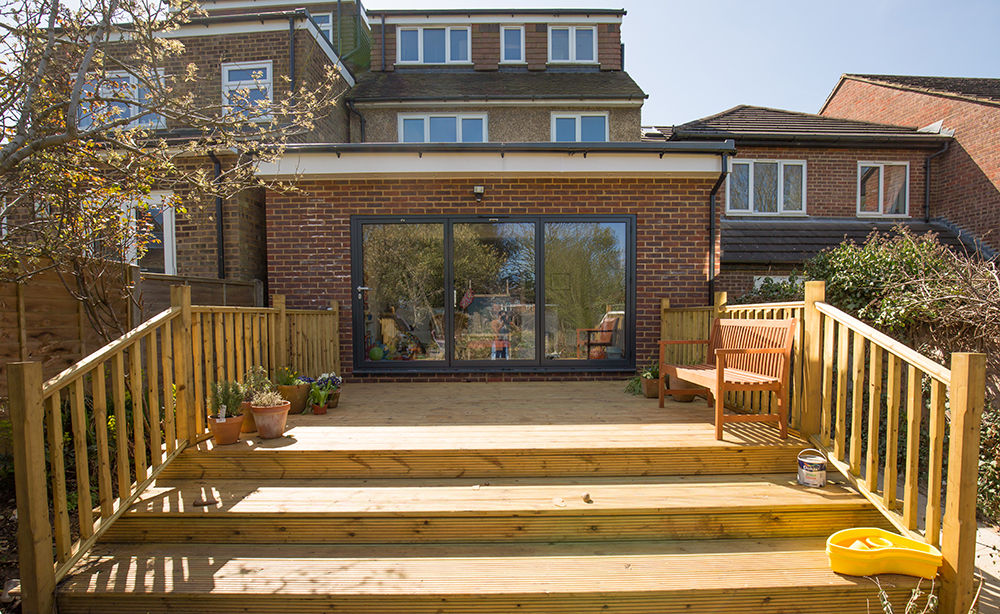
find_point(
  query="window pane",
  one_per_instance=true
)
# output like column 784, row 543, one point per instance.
column 409, row 45
column 792, row 187
column 560, row 44
column 413, row 131
column 257, row 73
column 565, row 129
column 895, row 189
column 512, row 45
column 592, row 128
column 739, row 187
column 472, row 131
column 869, row 189
column 459, row 45
column 765, row 187
column 153, row 259
column 585, row 45
column 321, row 18
column 434, row 52
column 443, row 130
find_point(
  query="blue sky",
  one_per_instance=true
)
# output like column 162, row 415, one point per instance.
column 698, row 57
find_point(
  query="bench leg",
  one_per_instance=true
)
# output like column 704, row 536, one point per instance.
column 782, row 415
column 662, row 389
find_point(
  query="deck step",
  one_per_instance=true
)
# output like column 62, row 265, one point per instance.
column 498, row 509
column 499, row 450
column 780, row 575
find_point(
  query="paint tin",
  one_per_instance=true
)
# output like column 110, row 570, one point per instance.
column 812, row 468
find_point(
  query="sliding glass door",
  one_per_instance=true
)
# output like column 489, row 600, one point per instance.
column 491, row 294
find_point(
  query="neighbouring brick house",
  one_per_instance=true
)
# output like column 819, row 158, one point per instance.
column 965, row 189
column 801, row 183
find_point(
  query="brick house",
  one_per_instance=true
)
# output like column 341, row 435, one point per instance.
column 966, row 191
column 800, row 183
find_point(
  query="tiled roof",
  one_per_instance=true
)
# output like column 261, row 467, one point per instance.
column 970, row 87
column 784, row 241
column 745, row 121
column 442, row 84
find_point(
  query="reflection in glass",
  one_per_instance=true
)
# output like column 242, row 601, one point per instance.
column 792, row 188
column 494, row 291
column 403, row 267
column 869, row 189
column 584, row 290
column 765, row 187
column 895, row 189
column 739, row 190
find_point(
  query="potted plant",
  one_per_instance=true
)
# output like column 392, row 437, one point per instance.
column 332, row 382
column 293, row 388
column 650, row 377
column 255, row 380
column 318, row 395
column 226, row 418
column 270, row 410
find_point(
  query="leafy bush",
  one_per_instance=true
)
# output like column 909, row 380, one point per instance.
column 774, row 291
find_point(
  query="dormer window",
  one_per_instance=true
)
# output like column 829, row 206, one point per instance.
column 512, row 45
column 445, row 45
column 573, row 44
column 442, row 128
column 325, row 23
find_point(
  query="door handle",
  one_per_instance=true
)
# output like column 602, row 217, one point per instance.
column 361, row 289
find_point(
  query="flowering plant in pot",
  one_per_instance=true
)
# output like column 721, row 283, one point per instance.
column 332, row 382
column 270, row 410
column 650, row 378
column 293, row 388
column 255, row 380
column 226, row 418
column 318, row 395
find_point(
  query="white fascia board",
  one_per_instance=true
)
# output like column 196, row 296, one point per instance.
column 506, row 18
column 437, row 104
column 372, row 164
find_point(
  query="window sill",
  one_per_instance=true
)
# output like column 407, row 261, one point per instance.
column 398, row 63
column 766, row 214
column 895, row 216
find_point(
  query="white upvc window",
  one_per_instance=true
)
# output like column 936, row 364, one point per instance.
column 579, row 127
column 434, row 45
column 573, row 44
column 512, row 45
column 443, row 128
column 132, row 101
column 157, row 211
column 325, row 23
column 246, row 85
column 883, row 189
column 766, row 187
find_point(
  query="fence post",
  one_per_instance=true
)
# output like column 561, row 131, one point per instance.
column 22, row 325
column 34, row 532
column 958, row 537
column 812, row 342
column 180, row 296
column 278, row 302
column 721, row 303
column 664, row 306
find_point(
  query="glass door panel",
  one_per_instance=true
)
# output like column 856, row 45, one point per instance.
column 494, row 291
column 585, row 290
column 402, row 293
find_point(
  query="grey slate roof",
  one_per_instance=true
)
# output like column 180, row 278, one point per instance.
column 444, row 84
column 749, row 122
column 786, row 241
column 970, row 87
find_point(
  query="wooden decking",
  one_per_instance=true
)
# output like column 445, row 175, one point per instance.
column 527, row 497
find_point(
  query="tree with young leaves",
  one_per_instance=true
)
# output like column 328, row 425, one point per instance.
column 100, row 107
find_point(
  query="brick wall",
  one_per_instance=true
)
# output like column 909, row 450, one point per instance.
column 308, row 234
column 965, row 182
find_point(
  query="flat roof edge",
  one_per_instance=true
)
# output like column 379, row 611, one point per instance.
column 727, row 146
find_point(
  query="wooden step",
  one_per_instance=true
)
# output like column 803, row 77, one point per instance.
column 494, row 450
column 763, row 576
column 524, row 509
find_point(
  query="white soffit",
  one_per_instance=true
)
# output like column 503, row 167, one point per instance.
column 513, row 17
column 367, row 164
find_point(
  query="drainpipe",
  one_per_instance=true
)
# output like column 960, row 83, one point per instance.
column 351, row 108
column 711, row 228
column 383, row 42
column 291, row 57
column 220, row 237
column 927, row 181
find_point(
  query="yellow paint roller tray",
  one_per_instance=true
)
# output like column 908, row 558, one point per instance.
column 868, row 551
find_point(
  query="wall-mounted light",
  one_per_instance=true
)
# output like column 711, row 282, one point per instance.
column 478, row 191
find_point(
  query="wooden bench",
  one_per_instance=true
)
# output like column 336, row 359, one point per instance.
column 749, row 355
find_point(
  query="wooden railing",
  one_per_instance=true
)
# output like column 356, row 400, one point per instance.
column 871, row 403
column 105, row 427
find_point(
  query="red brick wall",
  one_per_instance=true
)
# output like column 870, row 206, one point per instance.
column 311, row 264
column 832, row 175
column 965, row 182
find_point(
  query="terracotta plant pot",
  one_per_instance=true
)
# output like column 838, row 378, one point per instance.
column 296, row 395
column 271, row 420
column 649, row 388
column 333, row 399
column 225, row 431
column 319, row 410
column 249, row 424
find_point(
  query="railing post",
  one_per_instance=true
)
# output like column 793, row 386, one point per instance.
column 664, row 306
column 34, row 532
column 721, row 302
column 278, row 302
column 812, row 345
column 958, row 537
column 180, row 296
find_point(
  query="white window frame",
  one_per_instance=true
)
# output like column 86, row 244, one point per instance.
column 228, row 85
column 426, row 117
column 134, row 109
column 881, row 190
column 328, row 29
column 781, row 188
column 572, row 44
column 420, row 44
column 169, row 231
column 503, row 47
column 578, row 116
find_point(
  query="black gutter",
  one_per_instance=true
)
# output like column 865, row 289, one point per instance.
column 220, row 237
column 501, row 98
column 662, row 148
column 860, row 140
column 382, row 41
column 927, row 180
column 499, row 12
column 361, row 120
column 711, row 228
column 291, row 58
